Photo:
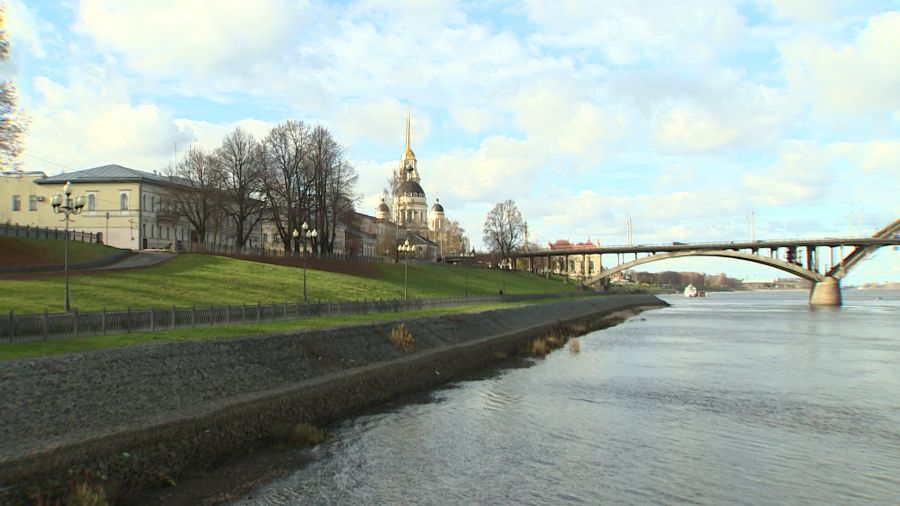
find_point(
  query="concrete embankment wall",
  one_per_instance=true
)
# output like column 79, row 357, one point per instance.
column 137, row 415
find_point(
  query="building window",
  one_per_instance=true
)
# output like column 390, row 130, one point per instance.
column 32, row 202
column 92, row 202
column 144, row 207
column 153, row 204
column 123, row 202
column 17, row 203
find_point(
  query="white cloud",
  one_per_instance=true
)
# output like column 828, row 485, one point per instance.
column 870, row 156
column 501, row 168
column 85, row 125
column 722, row 113
column 803, row 174
column 686, row 129
column 629, row 32
column 384, row 122
column 807, row 11
column 560, row 118
column 210, row 135
column 471, row 119
column 177, row 37
column 24, row 30
column 860, row 77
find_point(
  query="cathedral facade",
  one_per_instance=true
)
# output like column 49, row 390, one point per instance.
column 409, row 205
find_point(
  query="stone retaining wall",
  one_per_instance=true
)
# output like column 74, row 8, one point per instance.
column 138, row 414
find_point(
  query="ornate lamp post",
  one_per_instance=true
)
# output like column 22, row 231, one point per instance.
column 307, row 235
column 68, row 207
column 406, row 248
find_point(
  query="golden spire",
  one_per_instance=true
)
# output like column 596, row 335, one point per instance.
column 409, row 155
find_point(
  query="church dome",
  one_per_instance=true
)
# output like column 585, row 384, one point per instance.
column 411, row 187
column 383, row 207
column 409, row 155
column 437, row 207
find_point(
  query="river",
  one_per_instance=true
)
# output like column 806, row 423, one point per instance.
column 738, row 398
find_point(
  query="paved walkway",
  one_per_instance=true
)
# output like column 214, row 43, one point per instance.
column 141, row 259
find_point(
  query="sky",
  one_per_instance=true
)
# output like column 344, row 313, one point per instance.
column 689, row 117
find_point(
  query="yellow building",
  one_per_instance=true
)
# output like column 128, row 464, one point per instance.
column 127, row 208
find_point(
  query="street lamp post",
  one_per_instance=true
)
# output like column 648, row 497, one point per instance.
column 307, row 235
column 406, row 248
column 68, row 207
column 106, row 237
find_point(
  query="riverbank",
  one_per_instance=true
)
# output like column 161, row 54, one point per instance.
column 144, row 416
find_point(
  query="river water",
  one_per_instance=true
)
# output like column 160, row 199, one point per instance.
column 738, row 398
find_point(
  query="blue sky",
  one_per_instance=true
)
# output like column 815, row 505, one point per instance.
column 686, row 115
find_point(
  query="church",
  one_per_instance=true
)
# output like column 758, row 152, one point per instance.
column 409, row 205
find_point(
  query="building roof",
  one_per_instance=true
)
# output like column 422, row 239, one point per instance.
column 411, row 187
column 383, row 207
column 353, row 232
column 416, row 239
column 437, row 207
column 106, row 174
column 565, row 244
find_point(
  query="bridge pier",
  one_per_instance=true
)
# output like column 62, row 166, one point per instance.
column 826, row 292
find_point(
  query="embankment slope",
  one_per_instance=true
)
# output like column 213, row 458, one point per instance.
column 135, row 414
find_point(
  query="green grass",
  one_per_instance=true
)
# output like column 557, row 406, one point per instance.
column 50, row 251
column 12, row 351
column 202, row 280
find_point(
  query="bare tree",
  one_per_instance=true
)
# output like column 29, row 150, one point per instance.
column 195, row 192
column 325, row 156
column 241, row 160
column 454, row 236
column 340, row 198
column 504, row 228
column 286, row 177
column 12, row 124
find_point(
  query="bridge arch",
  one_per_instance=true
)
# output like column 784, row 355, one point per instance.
column 740, row 255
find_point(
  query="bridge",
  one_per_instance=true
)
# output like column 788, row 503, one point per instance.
column 799, row 257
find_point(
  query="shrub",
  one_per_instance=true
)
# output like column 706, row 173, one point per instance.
column 87, row 494
column 574, row 346
column 402, row 339
column 539, row 348
column 301, row 434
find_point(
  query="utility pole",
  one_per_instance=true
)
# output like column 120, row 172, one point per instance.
column 629, row 230
column 753, row 225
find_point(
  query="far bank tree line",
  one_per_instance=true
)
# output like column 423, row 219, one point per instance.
column 296, row 174
column 679, row 280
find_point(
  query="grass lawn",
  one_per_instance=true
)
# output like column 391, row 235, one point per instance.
column 16, row 251
column 203, row 280
column 61, row 346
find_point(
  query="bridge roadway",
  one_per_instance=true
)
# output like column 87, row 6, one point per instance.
column 834, row 242
column 802, row 257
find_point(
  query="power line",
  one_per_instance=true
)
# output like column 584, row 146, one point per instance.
column 48, row 161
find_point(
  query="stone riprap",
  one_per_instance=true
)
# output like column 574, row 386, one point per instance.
column 134, row 414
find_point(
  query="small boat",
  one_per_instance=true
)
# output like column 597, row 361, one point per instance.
column 691, row 291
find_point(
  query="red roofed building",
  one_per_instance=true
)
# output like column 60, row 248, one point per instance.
column 579, row 264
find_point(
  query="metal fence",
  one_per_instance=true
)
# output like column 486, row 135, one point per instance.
column 45, row 326
column 29, row 232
